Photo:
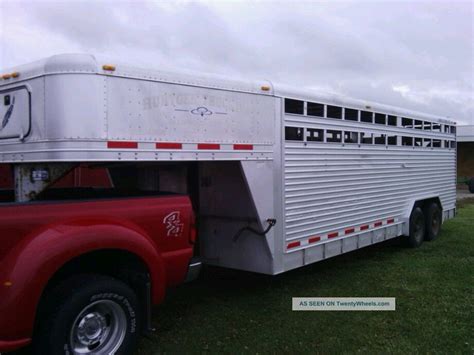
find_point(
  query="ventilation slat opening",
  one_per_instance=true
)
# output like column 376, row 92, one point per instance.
column 334, row 112
column 407, row 122
column 294, row 106
column 334, row 136
column 294, row 133
column 407, row 141
column 392, row 120
column 380, row 118
column 315, row 109
column 351, row 114
column 366, row 116
column 351, row 137
column 314, row 135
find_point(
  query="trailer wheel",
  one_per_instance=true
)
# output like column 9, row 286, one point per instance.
column 417, row 228
column 89, row 314
column 433, row 221
column 471, row 185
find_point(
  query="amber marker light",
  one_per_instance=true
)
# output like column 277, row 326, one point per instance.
column 108, row 67
column 265, row 88
column 7, row 283
column 15, row 74
column 6, row 76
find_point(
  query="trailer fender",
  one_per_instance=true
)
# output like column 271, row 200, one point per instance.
column 410, row 205
column 33, row 262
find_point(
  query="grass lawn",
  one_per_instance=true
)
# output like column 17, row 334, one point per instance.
column 237, row 312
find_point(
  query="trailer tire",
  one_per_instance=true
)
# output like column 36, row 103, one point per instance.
column 433, row 219
column 89, row 314
column 417, row 228
column 471, row 185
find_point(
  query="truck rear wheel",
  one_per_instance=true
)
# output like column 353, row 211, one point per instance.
column 89, row 314
column 433, row 221
column 417, row 228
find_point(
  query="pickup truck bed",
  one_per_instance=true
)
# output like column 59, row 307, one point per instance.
column 37, row 239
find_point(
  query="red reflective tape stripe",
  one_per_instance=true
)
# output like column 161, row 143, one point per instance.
column 169, row 145
column 392, row 220
column 122, row 144
column 314, row 239
column 209, row 146
column 349, row 230
column 333, row 235
column 364, row 227
column 377, row 224
column 243, row 147
column 293, row 245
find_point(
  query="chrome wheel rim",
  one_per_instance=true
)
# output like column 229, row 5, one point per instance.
column 98, row 329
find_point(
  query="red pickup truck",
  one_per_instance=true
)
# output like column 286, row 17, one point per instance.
column 79, row 276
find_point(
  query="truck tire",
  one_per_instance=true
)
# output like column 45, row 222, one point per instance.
column 471, row 185
column 433, row 219
column 417, row 228
column 89, row 314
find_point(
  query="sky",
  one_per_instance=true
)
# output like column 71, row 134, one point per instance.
column 417, row 55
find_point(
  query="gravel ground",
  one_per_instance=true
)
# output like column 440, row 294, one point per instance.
column 462, row 194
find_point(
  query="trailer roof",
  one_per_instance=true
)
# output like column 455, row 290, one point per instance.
column 343, row 101
column 89, row 64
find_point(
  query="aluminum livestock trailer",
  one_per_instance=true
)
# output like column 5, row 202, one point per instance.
column 279, row 177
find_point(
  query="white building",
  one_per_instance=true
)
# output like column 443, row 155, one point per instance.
column 465, row 133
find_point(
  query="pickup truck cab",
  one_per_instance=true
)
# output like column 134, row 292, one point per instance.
column 80, row 266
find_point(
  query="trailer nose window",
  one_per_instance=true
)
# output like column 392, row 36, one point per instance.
column 15, row 120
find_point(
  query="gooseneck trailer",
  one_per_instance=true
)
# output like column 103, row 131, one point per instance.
column 199, row 169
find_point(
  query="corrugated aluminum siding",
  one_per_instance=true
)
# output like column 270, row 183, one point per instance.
column 331, row 186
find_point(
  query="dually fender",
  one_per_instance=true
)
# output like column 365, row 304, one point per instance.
column 33, row 262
